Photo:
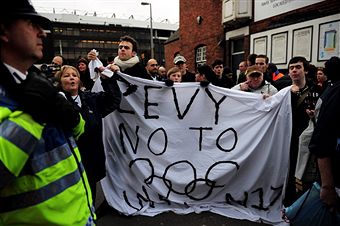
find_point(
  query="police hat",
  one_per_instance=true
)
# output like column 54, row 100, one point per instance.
column 24, row 9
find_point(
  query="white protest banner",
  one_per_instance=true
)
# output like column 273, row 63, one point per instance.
column 188, row 148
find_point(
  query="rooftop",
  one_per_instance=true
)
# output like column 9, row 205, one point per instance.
column 99, row 19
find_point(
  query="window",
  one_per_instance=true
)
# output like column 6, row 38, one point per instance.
column 236, row 9
column 237, row 54
column 201, row 53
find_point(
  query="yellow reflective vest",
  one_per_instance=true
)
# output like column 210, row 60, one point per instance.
column 42, row 180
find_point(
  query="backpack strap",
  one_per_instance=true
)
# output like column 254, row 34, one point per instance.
column 303, row 96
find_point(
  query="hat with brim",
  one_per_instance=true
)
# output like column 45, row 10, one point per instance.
column 253, row 71
column 179, row 59
column 255, row 74
column 24, row 9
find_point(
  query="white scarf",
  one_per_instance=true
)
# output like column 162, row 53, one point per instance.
column 126, row 63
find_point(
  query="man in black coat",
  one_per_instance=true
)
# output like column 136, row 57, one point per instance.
column 180, row 62
column 325, row 142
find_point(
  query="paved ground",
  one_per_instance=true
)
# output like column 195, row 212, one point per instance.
column 171, row 219
column 112, row 218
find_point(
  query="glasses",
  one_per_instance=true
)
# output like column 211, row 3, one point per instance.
column 125, row 47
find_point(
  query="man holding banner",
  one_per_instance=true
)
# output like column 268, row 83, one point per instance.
column 164, row 156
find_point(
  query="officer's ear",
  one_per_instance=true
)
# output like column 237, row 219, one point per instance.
column 3, row 36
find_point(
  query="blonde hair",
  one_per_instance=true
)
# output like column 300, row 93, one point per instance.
column 172, row 70
column 62, row 71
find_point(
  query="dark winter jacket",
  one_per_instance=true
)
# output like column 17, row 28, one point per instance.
column 94, row 107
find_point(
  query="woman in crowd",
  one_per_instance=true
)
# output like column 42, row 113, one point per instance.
column 93, row 107
column 83, row 69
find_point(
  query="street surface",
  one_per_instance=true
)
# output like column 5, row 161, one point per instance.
column 113, row 218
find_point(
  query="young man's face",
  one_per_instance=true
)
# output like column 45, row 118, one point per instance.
column 297, row 71
column 218, row 69
column 255, row 80
column 261, row 62
column 176, row 77
column 182, row 66
column 242, row 67
column 125, row 51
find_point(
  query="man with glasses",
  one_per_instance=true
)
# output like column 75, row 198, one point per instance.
column 152, row 70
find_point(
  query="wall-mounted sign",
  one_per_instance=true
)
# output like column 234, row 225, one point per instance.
column 279, row 48
column 267, row 8
column 302, row 42
column 260, row 45
column 329, row 40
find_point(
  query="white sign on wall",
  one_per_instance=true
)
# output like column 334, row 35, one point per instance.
column 329, row 40
column 267, row 8
column 188, row 149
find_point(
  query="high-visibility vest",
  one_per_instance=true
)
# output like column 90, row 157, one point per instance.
column 42, row 181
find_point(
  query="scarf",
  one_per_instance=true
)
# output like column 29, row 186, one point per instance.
column 127, row 63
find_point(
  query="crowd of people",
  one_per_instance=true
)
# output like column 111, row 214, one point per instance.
column 51, row 135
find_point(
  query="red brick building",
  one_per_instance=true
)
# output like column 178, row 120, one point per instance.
column 200, row 29
column 232, row 29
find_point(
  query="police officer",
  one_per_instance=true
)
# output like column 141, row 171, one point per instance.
column 42, row 181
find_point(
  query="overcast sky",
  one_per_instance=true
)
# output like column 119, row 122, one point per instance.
column 161, row 9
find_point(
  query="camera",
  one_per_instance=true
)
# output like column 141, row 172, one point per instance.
column 49, row 69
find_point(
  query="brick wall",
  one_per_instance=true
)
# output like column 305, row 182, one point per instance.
column 192, row 34
column 169, row 50
column 210, row 31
